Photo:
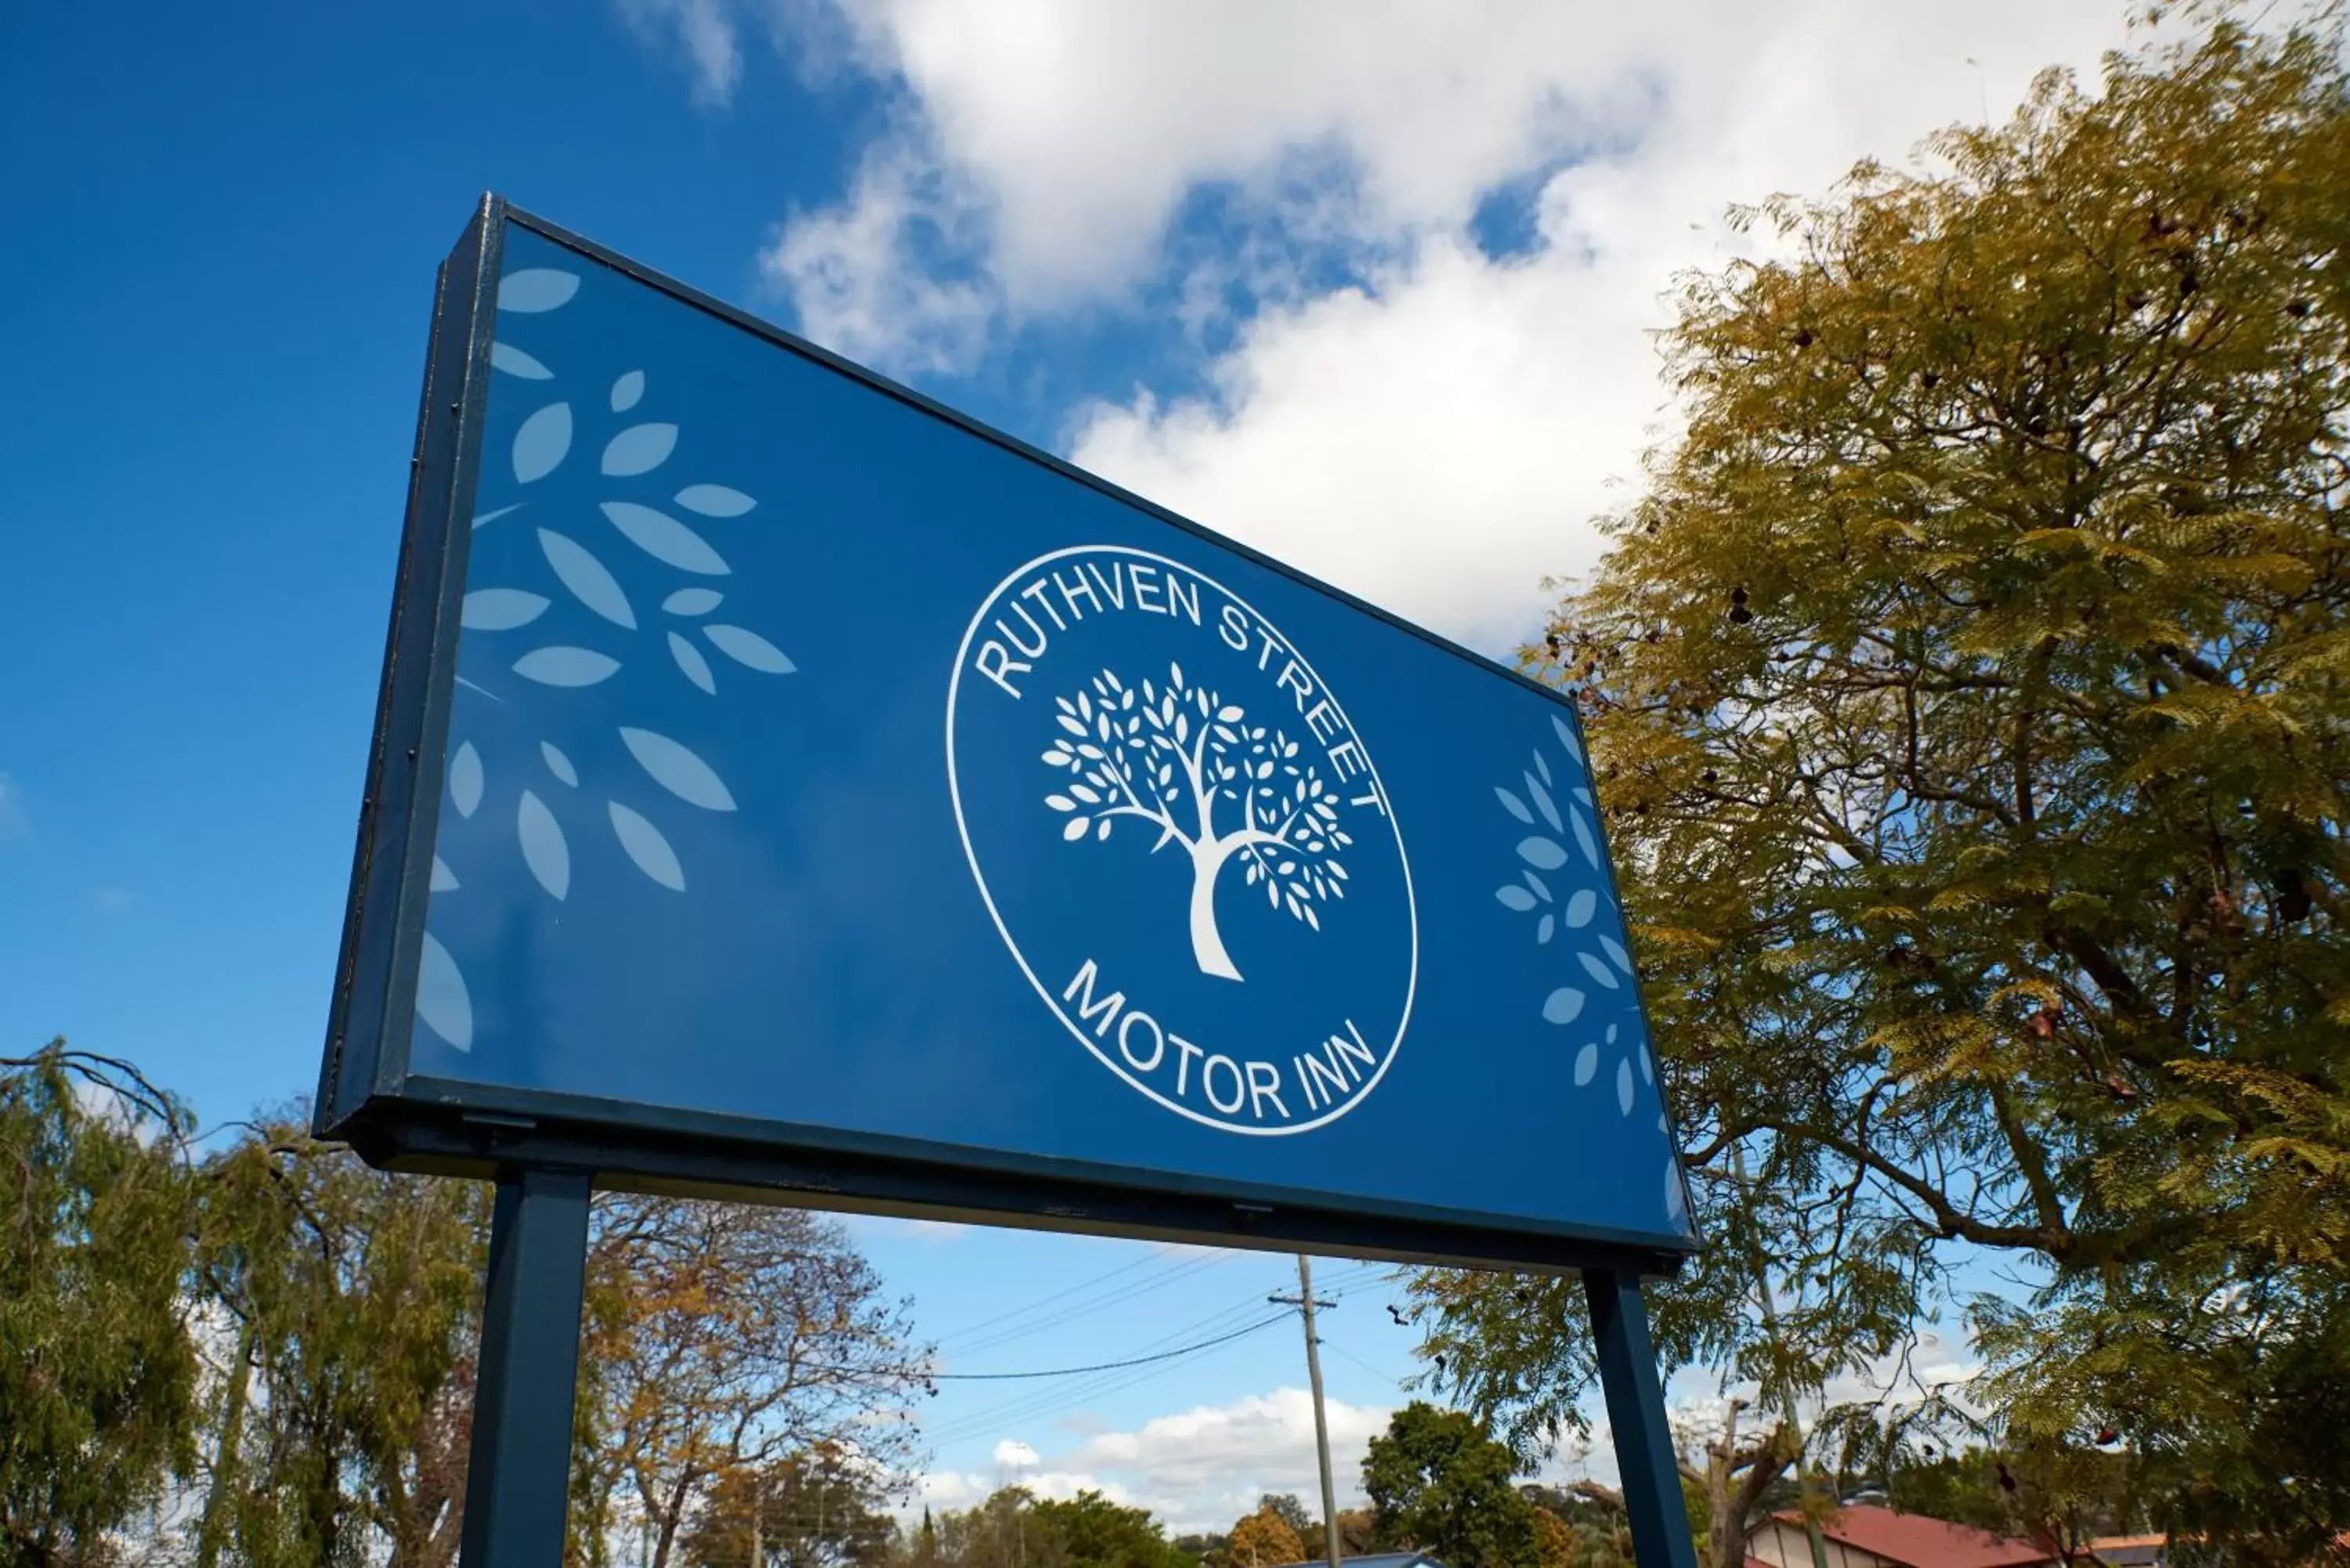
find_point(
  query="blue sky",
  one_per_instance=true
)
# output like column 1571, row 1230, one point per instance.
column 1359, row 285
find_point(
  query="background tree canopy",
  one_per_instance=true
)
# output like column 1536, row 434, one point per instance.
column 1971, row 692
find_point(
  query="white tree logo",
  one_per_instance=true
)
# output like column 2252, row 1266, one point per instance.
column 1167, row 756
column 1193, row 753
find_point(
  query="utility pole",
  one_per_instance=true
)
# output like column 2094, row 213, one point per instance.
column 1305, row 1304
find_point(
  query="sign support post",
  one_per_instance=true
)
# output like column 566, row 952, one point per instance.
column 518, row 1472
column 1636, row 1412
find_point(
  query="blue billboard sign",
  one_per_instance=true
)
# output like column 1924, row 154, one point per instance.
column 784, row 784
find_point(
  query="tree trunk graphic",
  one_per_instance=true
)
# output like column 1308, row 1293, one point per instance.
column 1165, row 756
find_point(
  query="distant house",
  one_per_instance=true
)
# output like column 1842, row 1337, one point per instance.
column 1863, row 1535
column 2132, row 1551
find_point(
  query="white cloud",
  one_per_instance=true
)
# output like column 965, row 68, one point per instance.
column 706, row 30
column 1205, row 1466
column 1195, row 1469
column 863, row 275
column 1438, row 441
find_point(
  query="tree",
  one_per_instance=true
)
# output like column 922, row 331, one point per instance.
column 817, row 1509
column 1165, row 756
column 1966, row 696
column 351, row 1301
column 723, row 1337
column 1265, row 1540
column 1088, row 1530
column 1291, row 1511
column 1437, row 1482
column 97, row 1366
column 1731, row 1480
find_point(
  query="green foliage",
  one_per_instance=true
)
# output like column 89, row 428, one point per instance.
column 1013, row 1529
column 1437, row 1482
column 1968, row 692
column 1088, row 1530
column 815, row 1509
column 1265, row 1540
column 96, row 1368
column 350, row 1299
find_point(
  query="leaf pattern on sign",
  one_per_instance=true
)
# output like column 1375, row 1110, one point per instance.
column 608, row 588
column 514, row 362
column 577, row 567
column 639, row 449
column 748, row 649
column 442, row 1004
column 565, row 665
column 664, row 539
column 689, row 659
column 536, row 289
column 644, row 844
column 500, row 609
column 540, row 446
column 714, row 501
column 1565, row 843
column 677, row 770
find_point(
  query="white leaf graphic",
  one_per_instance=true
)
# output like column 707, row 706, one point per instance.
column 749, row 648
column 1587, row 1063
column 627, row 390
column 677, row 770
column 646, row 847
column 565, row 665
column 1564, row 1005
column 693, row 601
column 543, row 848
column 1623, row 1088
column 689, row 659
column 1542, row 800
column 541, row 442
column 1566, row 737
column 514, row 362
column 535, row 289
column 664, row 539
column 443, row 880
column 1675, row 1203
column 1615, row 953
column 585, row 575
column 482, row 517
column 559, row 764
column 1580, row 907
column 714, row 501
column 1515, row 897
column 1542, row 852
column 500, row 609
column 1648, row 1067
column 1582, row 839
column 441, row 1003
column 1598, row 971
column 1515, row 807
column 639, row 449
column 465, row 779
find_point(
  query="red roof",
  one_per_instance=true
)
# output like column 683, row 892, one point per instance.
column 1923, row 1542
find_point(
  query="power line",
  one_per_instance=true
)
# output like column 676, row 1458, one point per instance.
column 1106, row 1366
column 1156, row 1254
column 1085, row 1306
column 1072, row 1395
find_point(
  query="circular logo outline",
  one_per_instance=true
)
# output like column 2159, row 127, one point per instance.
column 970, row 855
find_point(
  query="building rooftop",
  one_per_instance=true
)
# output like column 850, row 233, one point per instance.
column 1923, row 1542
